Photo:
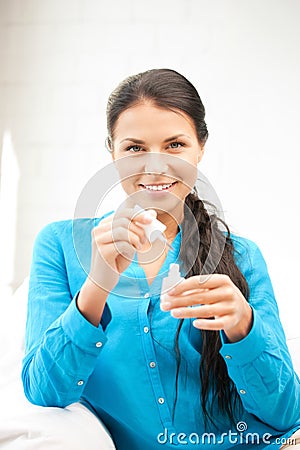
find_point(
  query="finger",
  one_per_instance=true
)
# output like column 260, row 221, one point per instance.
column 143, row 216
column 136, row 224
column 196, row 297
column 112, row 249
column 122, row 234
column 128, row 219
column 106, row 219
column 124, row 212
column 102, row 227
column 103, row 237
column 130, row 226
column 210, row 281
column 193, row 298
column 110, row 231
column 213, row 325
column 119, row 235
column 198, row 312
column 138, row 230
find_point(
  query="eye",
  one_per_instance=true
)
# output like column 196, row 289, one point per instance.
column 134, row 148
column 176, row 145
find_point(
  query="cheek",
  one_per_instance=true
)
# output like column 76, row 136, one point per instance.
column 128, row 184
column 129, row 167
column 186, row 172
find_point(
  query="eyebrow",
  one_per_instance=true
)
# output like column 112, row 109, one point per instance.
column 139, row 141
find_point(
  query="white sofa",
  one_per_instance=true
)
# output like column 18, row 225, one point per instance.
column 24, row 426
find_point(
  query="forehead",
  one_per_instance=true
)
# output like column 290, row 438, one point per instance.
column 142, row 119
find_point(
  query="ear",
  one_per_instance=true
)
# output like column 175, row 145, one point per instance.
column 108, row 146
column 200, row 153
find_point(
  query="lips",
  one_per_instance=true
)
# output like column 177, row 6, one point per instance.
column 158, row 187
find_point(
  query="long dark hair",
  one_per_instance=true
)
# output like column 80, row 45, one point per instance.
column 168, row 89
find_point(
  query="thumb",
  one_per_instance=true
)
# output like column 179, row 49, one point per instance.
column 152, row 213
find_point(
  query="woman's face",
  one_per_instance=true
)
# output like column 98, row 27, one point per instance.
column 156, row 152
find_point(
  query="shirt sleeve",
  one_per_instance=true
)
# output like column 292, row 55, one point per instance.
column 62, row 347
column 260, row 364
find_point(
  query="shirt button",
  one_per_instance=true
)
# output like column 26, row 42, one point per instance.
column 80, row 383
column 161, row 400
column 228, row 357
column 146, row 329
column 242, row 391
column 147, row 295
column 98, row 344
column 152, row 364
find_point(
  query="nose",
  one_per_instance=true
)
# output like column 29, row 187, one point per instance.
column 156, row 163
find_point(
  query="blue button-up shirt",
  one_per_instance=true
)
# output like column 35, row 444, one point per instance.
column 125, row 369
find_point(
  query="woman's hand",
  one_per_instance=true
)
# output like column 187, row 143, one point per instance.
column 214, row 301
column 114, row 242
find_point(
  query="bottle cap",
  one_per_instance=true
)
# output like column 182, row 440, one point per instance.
column 154, row 229
column 172, row 279
column 174, row 273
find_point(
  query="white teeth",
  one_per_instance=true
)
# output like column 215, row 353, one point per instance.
column 159, row 187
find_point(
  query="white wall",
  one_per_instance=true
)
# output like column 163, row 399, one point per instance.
column 60, row 59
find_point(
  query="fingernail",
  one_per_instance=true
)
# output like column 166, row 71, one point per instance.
column 147, row 215
column 176, row 312
column 165, row 305
column 171, row 291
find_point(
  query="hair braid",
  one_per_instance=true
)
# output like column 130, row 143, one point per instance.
column 215, row 255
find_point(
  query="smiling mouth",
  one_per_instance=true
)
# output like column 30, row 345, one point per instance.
column 158, row 187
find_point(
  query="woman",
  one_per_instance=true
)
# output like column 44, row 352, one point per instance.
column 206, row 365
